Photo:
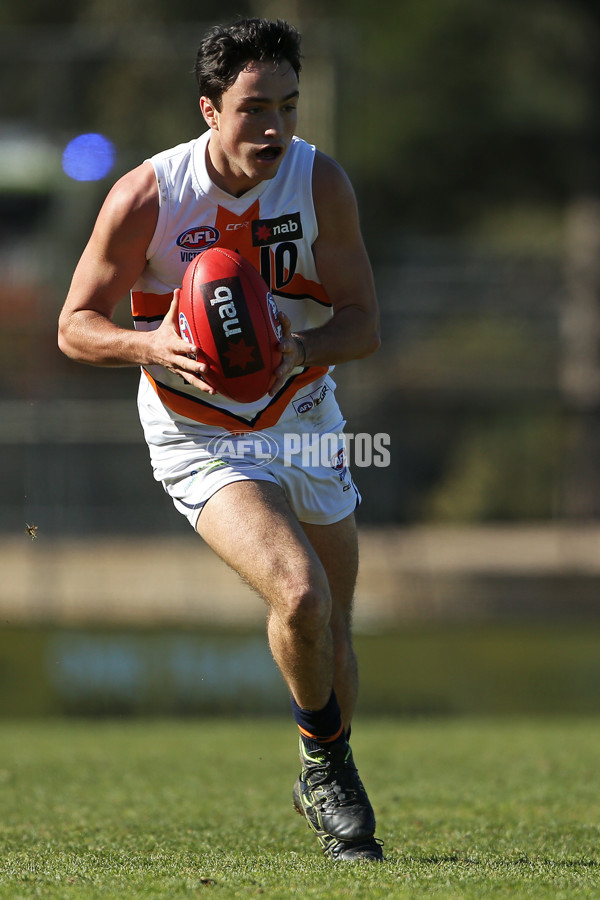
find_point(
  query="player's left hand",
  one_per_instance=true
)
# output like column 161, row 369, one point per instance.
column 291, row 354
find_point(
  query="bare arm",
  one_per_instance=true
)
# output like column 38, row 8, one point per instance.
column 345, row 272
column 110, row 264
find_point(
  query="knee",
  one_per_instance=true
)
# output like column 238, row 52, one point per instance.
column 307, row 611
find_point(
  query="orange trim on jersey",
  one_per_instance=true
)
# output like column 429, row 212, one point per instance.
column 208, row 414
column 150, row 306
column 321, row 740
column 236, row 232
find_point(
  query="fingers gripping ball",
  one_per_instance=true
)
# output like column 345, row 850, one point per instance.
column 227, row 310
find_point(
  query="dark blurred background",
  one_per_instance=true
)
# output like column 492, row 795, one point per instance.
column 471, row 132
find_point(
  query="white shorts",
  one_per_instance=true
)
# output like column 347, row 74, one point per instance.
column 303, row 453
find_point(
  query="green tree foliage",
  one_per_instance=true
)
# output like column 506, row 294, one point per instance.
column 455, row 108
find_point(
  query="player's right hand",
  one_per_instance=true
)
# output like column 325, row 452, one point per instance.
column 170, row 350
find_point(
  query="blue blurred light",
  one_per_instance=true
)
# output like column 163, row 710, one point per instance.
column 88, row 157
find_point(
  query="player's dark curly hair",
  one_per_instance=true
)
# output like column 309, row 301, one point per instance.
column 225, row 51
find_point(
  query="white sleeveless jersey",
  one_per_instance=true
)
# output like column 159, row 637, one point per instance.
column 273, row 226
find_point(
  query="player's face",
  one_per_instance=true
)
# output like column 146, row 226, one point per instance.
column 253, row 129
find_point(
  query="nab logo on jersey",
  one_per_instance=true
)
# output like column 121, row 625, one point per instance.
column 273, row 231
column 195, row 240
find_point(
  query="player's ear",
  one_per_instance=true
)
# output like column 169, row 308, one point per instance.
column 210, row 112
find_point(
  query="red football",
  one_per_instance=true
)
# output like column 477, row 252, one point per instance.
column 227, row 310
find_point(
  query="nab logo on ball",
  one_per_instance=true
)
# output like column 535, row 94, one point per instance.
column 231, row 327
column 230, row 318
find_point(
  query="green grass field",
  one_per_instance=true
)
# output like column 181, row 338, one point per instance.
column 469, row 808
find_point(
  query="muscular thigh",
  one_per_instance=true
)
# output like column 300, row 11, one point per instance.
column 252, row 528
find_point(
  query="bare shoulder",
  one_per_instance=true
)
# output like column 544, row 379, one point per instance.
column 138, row 187
column 333, row 194
column 116, row 251
column 133, row 200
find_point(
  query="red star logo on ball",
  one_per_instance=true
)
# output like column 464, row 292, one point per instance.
column 239, row 354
